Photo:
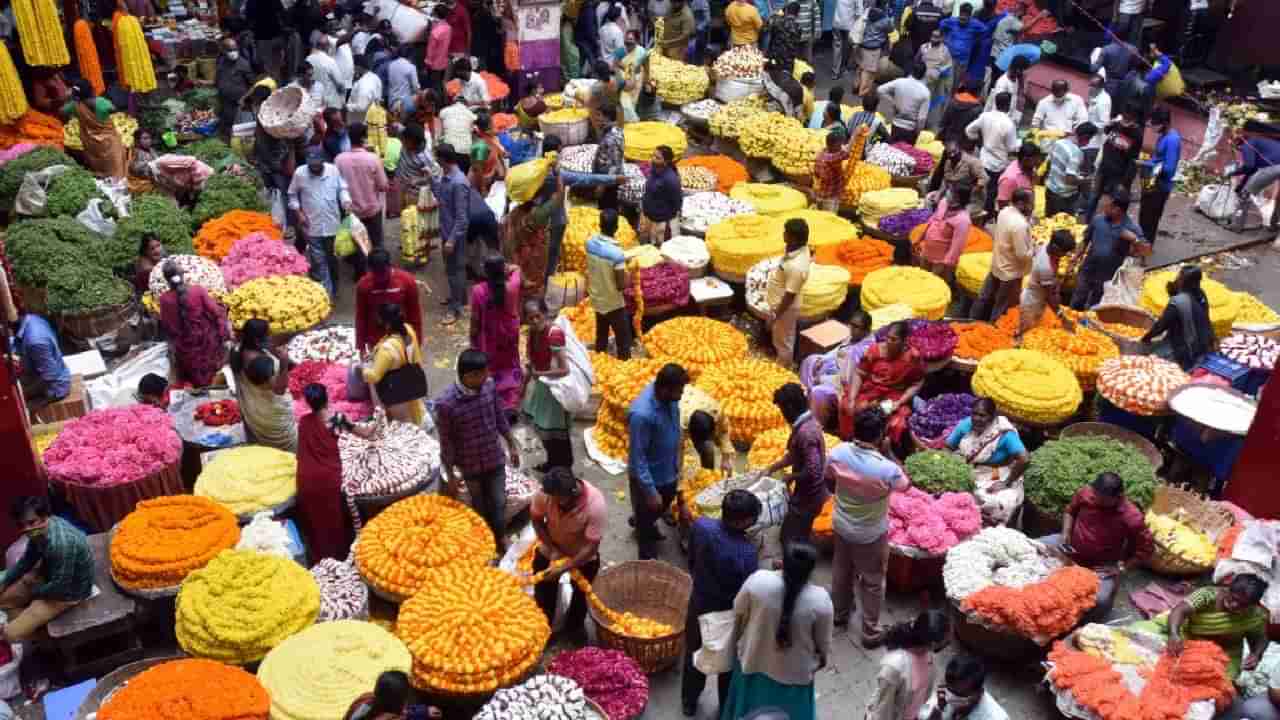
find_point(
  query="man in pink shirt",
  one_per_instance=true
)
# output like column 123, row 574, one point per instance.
column 438, row 41
column 569, row 516
column 460, row 21
column 1019, row 174
column 367, row 183
column 946, row 233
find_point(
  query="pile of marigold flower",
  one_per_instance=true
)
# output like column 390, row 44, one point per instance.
column 249, row 479
column 1224, row 303
column 399, row 548
column 242, row 604
column 583, row 223
column 189, row 689
column 857, row 255
column 695, row 343
column 618, row 386
column 729, row 172
column 623, row 623
column 1009, row 321
column 470, row 629
column 165, row 538
column 978, row 339
column 926, row 293
column 218, row 236
column 744, row 388
column 1028, row 385
column 1041, row 610
column 770, row 445
column 1082, row 351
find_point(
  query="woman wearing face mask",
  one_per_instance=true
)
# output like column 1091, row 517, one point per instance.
column 906, row 671
column 196, row 327
column 990, row 443
column 964, row 694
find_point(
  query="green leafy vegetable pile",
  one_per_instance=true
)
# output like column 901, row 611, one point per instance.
column 155, row 215
column 212, row 152
column 84, row 288
column 42, row 248
column 70, row 192
column 201, row 99
column 938, row 471
column 223, row 193
column 1061, row 467
column 12, row 172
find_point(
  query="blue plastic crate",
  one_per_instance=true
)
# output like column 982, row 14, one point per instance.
column 1242, row 377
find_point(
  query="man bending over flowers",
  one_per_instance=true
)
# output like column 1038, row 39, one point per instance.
column 54, row 575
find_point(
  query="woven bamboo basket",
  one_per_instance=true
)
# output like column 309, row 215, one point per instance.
column 95, row 323
column 651, row 589
column 1197, row 512
column 1115, row 432
column 1125, row 315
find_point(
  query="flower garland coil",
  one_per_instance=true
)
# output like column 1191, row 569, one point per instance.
column 1028, row 385
column 744, row 388
column 769, row 198
column 166, row 538
column 249, row 479
column 1224, row 303
column 925, row 292
column 396, row 550
column 188, row 689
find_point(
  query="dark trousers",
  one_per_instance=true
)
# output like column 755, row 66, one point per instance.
column 899, row 134
column 1107, row 184
column 488, row 491
column 1129, row 27
column 455, row 271
column 692, row 682
column 374, row 225
column 1150, row 212
column 797, row 526
column 993, row 187
column 1088, row 292
column 435, row 81
column 546, row 591
column 1055, row 203
column 621, row 325
column 646, row 533
column 559, row 449
column 996, row 297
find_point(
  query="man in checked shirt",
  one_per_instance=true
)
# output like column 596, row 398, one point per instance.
column 472, row 426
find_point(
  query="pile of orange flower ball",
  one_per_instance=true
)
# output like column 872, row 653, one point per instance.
column 165, row 538
column 398, row 548
column 618, row 386
column 695, row 343
column 744, row 389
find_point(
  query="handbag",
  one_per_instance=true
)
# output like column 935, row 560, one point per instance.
column 404, row 384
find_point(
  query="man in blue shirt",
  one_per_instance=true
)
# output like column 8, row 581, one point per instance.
column 1159, row 172
column 1111, row 237
column 721, row 558
column 653, row 461
column 45, row 376
column 1260, row 166
column 662, row 198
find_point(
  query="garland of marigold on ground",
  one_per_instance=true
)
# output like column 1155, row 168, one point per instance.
column 1198, row 673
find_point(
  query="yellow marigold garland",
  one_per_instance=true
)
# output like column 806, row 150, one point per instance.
column 1224, row 303
column 13, row 99
column 925, row 292
column 398, row 549
column 249, row 478
column 87, row 56
column 695, row 343
column 165, row 538
column 137, row 71
column 1028, row 385
column 584, row 222
column 770, row 445
column 769, row 198
column 739, row 242
column 1083, row 351
column 242, row 604
column 744, row 388
column 40, row 30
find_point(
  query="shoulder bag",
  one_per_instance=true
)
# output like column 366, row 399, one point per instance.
column 404, row 384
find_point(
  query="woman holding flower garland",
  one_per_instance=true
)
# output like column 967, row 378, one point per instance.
column 261, row 370
column 1226, row 614
column 988, row 440
column 889, row 375
column 196, row 327
column 906, row 671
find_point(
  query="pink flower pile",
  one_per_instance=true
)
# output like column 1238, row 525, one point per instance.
column 14, row 152
column 333, row 377
column 259, row 255
column 917, row 519
column 114, row 446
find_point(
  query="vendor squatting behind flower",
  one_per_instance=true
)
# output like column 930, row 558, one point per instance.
column 54, row 575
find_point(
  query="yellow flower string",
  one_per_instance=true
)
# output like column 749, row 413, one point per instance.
column 13, row 100
column 138, row 72
column 40, row 30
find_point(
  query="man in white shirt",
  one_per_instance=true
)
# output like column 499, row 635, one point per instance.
column 1129, row 20
column 458, row 123
column 474, row 90
column 1012, row 249
column 319, row 196
column 964, row 694
column 402, row 82
column 910, row 98
column 325, row 71
column 366, row 91
column 612, row 33
column 1013, row 82
column 999, row 138
column 1061, row 111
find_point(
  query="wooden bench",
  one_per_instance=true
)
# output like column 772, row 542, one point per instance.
column 99, row 634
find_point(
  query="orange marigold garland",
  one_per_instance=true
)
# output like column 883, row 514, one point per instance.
column 164, row 538
column 1008, row 322
column 1045, row 609
column 977, row 339
column 189, row 689
column 217, row 236
column 398, row 548
column 729, row 172
column 87, row 56
column 859, row 256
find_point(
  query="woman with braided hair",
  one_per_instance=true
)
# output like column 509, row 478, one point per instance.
column 196, row 327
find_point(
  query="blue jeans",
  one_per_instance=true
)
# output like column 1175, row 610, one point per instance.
column 455, row 270
column 324, row 263
column 553, row 248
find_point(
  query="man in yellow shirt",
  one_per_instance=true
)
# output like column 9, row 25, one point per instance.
column 744, row 22
column 785, row 285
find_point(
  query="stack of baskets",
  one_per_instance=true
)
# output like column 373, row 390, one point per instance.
column 1197, row 512
column 651, row 589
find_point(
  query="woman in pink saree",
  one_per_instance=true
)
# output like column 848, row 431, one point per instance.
column 495, row 327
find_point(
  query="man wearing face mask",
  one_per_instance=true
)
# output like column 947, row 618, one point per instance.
column 232, row 78
column 319, row 196
column 1062, row 111
column 964, row 694
column 54, row 574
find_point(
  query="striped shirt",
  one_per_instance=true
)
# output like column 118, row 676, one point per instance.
column 1065, row 158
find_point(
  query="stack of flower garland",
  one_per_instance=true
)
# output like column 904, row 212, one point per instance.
column 470, row 629
column 1224, row 304
column 289, row 303
column 739, row 242
column 1140, row 384
column 333, row 376
column 1009, row 322
column 642, row 139
column 920, row 521
column 729, row 172
column 744, row 389
column 925, row 292
column 763, row 135
column 318, row 673
column 397, row 458
column 824, row 290
column 1255, row 312
column 164, row 539
column 932, row 340
column 859, row 256
column 976, row 340
column 1028, row 385
column 583, row 223
column 826, row 229
column 618, row 385
column 700, row 211
column 343, row 595
column 249, row 479
column 729, row 120
column 218, row 237
column 972, row 270
column 259, row 254
column 195, row 271
column 242, row 604
column 769, row 198
column 335, row 344
column 398, row 549
column 695, row 343
column 189, row 689
column 114, row 446
column 1008, row 582
column 770, row 445
column 1083, row 351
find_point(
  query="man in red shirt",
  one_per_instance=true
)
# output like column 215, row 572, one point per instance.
column 381, row 285
column 1104, row 531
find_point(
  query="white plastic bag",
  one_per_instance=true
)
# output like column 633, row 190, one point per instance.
column 572, row 391
column 93, row 218
column 278, row 214
column 31, row 199
column 359, row 234
column 510, row 564
column 1125, row 287
column 716, row 654
column 1218, row 202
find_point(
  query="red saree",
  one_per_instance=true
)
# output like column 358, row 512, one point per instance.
column 321, row 512
column 884, row 379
